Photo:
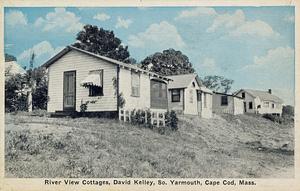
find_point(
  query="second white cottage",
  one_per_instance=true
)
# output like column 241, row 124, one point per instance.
column 187, row 95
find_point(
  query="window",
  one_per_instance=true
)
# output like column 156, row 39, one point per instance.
column 250, row 105
column 95, row 91
column 191, row 96
column 193, row 84
column 266, row 104
column 224, row 100
column 243, row 95
column 135, row 84
column 175, row 95
column 159, row 89
column 273, row 105
column 204, row 100
column 199, row 96
column 94, row 82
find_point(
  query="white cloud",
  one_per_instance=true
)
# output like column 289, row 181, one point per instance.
column 227, row 20
column 208, row 66
column 60, row 19
column 257, row 27
column 123, row 23
column 274, row 70
column 209, row 63
column 16, row 18
column 42, row 49
column 237, row 25
column 196, row 12
column 101, row 17
column 289, row 18
column 162, row 35
column 277, row 59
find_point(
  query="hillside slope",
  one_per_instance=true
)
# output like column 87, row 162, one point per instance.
column 225, row 146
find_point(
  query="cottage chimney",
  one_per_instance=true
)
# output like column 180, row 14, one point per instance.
column 270, row 91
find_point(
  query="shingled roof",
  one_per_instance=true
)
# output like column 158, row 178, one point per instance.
column 13, row 67
column 184, row 80
column 263, row 95
column 110, row 60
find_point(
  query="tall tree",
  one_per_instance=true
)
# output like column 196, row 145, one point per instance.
column 102, row 42
column 217, row 83
column 9, row 58
column 168, row 62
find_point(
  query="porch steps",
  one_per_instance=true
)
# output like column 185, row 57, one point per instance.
column 60, row 114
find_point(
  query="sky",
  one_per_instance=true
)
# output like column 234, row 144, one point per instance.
column 254, row 46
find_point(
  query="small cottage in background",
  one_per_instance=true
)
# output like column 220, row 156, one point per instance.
column 227, row 103
column 13, row 68
column 262, row 102
column 78, row 77
column 187, row 95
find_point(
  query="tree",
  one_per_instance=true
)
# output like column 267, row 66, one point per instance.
column 169, row 62
column 102, row 42
column 9, row 58
column 40, row 90
column 287, row 110
column 217, row 83
column 15, row 98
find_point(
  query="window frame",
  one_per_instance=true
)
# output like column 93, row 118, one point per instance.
column 222, row 100
column 266, row 104
column 177, row 95
column 138, row 86
column 250, row 104
column 243, row 95
column 204, row 100
column 91, row 87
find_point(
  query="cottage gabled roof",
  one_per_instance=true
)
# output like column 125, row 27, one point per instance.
column 110, row 60
column 226, row 94
column 181, row 81
column 184, row 80
column 263, row 95
column 13, row 67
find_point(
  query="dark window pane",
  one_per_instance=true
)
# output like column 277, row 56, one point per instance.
column 224, row 100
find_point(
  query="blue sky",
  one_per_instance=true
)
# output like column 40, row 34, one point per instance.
column 254, row 46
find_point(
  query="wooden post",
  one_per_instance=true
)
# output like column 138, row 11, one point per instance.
column 129, row 115
column 157, row 119
column 124, row 115
column 29, row 100
column 163, row 120
column 151, row 117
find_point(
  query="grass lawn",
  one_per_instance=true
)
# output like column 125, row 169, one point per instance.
column 225, row 146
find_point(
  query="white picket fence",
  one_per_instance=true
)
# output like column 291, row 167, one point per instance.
column 158, row 118
column 228, row 111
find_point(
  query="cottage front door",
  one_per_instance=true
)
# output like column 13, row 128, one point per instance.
column 69, row 91
column 245, row 107
column 199, row 102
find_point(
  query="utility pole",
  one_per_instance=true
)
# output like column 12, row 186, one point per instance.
column 31, row 82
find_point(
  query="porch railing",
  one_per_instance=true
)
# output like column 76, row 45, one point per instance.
column 157, row 118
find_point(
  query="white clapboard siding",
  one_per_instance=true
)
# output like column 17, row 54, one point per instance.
column 131, row 102
column 82, row 63
column 190, row 99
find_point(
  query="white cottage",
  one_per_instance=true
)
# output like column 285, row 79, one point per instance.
column 227, row 103
column 13, row 68
column 257, row 101
column 187, row 95
column 77, row 77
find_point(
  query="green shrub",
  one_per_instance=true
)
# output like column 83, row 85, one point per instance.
column 274, row 118
column 15, row 100
column 172, row 120
column 138, row 117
